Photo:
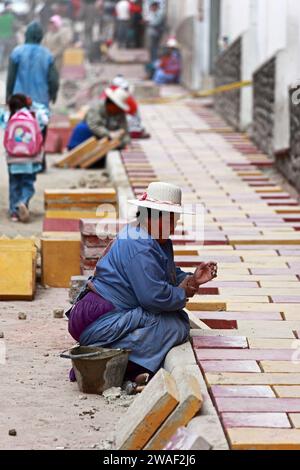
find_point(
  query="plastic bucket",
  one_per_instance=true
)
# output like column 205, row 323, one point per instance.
column 98, row 369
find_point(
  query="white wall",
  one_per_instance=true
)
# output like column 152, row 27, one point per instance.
column 235, row 16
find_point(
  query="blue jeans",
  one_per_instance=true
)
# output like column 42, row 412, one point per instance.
column 21, row 190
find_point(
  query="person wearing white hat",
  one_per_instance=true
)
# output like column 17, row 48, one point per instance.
column 104, row 119
column 168, row 67
column 58, row 38
column 138, row 289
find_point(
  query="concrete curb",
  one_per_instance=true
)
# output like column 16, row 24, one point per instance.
column 206, row 423
column 118, row 176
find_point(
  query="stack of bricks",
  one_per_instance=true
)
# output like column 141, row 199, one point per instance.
column 96, row 235
column 62, row 254
column 18, row 260
column 80, row 203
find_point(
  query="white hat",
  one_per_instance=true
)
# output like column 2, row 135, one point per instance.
column 119, row 97
column 120, row 82
column 163, row 197
column 172, row 42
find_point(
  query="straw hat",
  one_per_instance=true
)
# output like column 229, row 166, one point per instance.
column 163, row 197
column 119, row 96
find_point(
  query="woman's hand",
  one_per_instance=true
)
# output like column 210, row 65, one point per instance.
column 205, row 272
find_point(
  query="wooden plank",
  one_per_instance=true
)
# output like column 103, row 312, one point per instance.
column 100, row 151
column 71, row 159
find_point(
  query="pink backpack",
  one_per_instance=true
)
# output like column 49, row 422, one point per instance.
column 23, row 137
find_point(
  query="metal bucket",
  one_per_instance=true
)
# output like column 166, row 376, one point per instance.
column 98, row 369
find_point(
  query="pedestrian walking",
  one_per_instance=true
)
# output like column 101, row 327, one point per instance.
column 7, row 32
column 58, row 38
column 155, row 29
column 123, row 21
column 136, row 24
column 23, row 142
column 32, row 70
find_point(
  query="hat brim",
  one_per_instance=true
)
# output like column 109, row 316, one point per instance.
column 111, row 95
column 160, row 207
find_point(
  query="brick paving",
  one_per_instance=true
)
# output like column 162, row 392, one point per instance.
column 249, row 356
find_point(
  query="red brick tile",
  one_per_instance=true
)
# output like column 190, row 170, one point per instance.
column 221, row 324
column 258, row 405
column 255, row 420
column 220, row 342
column 245, row 354
column 250, row 391
column 229, row 366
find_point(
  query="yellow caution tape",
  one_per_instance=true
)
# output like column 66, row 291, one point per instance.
column 222, row 89
column 197, row 94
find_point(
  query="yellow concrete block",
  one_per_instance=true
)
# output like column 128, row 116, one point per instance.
column 264, row 439
column 73, row 56
column 280, row 366
column 147, row 413
column 71, row 196
column 17, row 271
column 69, row 214
column 190, row 403
column 62, row 235
column 60, row 261
column 287, row 391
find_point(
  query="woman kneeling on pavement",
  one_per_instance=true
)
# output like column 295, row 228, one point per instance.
column 104, row 119
column 135, row 299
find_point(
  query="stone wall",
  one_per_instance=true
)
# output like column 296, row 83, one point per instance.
column 264, row 106
column 289, row 162
column 228, row 70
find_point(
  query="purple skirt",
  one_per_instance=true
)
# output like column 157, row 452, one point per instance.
column 86, row 311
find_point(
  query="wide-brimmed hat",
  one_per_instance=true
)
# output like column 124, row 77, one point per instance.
column 119, row 96
column 164, row 197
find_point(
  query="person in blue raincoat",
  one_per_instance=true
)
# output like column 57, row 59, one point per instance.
column 135, row 299
column 32, row 70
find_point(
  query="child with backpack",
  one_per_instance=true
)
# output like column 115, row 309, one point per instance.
column 23, row 142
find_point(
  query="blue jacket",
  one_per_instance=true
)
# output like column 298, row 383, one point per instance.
column 32, row 71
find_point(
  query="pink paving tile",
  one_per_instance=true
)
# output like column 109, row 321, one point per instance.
column 238, row 316
column 250, row 391
column 255, row 420
column 60, row 225
column 220, row 342
column 258, row 405
column 233, row 284
column 229, row 366
column 270, row 271
column 245, row 354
